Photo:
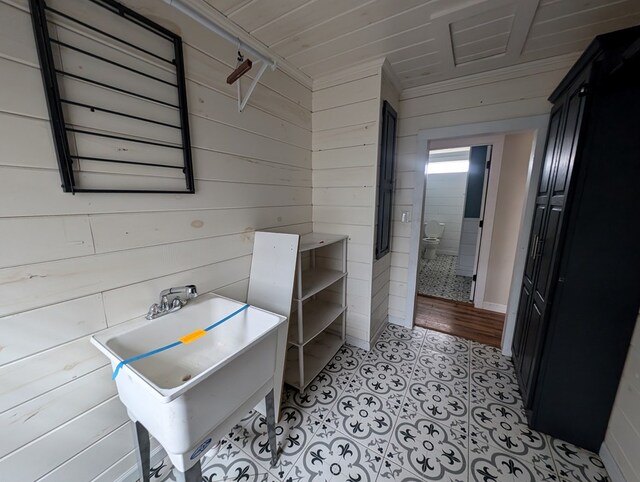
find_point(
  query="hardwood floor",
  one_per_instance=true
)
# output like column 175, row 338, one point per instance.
column 460, row 319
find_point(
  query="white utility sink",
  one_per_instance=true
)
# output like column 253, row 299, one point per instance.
column 189, row 396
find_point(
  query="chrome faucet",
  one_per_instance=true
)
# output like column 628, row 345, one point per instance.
column 172, row 300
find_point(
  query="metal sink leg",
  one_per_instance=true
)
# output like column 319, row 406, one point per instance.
column 271, row 428
column 143, row 451
column 194, row 474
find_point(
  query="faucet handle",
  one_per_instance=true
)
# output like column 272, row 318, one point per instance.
column 153, row 312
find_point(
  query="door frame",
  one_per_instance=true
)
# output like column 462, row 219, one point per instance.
column 426, row 139
column 490, row 198
column 483, row 215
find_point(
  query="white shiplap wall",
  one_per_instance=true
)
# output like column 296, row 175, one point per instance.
column 501, row 94
column 382, row 266
column 346, row 113
column 622, row 441
column 74, row 265
column 345, row 152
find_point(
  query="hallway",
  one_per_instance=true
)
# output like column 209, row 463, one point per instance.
column 459, row 319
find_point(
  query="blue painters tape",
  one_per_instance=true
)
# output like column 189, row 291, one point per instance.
column 172, row 345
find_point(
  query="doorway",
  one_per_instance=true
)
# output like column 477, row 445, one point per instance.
column 488, row 239
column 455, row 194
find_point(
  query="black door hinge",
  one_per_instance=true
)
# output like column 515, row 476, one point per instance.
column 481, row 223
column 488, row 164
column 474, row 277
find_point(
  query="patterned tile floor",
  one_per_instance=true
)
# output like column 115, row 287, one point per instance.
column 420, row 406
column 437, row 277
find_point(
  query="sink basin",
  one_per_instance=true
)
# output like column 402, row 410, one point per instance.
column 194, row 393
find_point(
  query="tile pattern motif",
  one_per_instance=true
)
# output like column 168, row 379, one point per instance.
column 437, row 277
column 420, row 406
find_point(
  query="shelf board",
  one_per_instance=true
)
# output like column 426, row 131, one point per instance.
column 318, row 240
column 316, row 356
column 317, row 315
column 315, row 280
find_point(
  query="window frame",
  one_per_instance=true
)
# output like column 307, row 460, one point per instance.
column 385, row 187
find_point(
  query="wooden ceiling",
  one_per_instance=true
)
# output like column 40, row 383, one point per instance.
column 425, row 40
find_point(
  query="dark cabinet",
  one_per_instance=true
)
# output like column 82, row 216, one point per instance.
column 581, row 286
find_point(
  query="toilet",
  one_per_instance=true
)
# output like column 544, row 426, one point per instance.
column 433, row 233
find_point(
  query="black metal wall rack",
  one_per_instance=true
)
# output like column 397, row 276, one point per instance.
column 69, row 153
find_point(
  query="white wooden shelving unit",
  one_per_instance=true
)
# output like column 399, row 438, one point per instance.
column 318, row 327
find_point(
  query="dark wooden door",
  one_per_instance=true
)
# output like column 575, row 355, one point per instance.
column 525, row 332
column 544, row 244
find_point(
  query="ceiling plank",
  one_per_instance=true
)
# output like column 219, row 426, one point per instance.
column 256, row 14
column 381, row 48
column 414, row 63
column 425, row 41
column 582, row 18
column 227, row 6
column 496, row 26
column 442, row 32
column 349, row 21
column 601, row 8
column 525, row 13
column 298, row 20
column 403, row 22
column 573, row 38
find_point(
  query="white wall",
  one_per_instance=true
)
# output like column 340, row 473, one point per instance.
column 622, row 442
column 444, row 202
column 466, row 263
column 382, row 266
column 496, row 95
column 345, row 153
column 506, row 224
column 75, row 265
column 346, row 112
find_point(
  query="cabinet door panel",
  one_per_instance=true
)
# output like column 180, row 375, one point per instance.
column 537, row 230
column 569, row 143
column 550, row 152
column 521, row 326
column 530, row 354
column 546, row 254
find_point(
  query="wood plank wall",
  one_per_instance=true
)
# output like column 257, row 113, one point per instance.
column 345, row 152
column 71, row 266
column 382, row 266
column 504, row 94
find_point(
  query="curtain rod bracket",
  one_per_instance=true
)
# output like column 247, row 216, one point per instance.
column 189, row 11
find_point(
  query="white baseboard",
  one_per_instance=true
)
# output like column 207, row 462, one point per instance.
column 381, row 328
column 494, row 307
column 358, row 342
column 611, row 465
column 396, row 320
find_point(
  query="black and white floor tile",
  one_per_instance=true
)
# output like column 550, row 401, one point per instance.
column 420, row 406
column 437, row 277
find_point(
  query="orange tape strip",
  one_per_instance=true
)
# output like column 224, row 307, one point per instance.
column 192, row 336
